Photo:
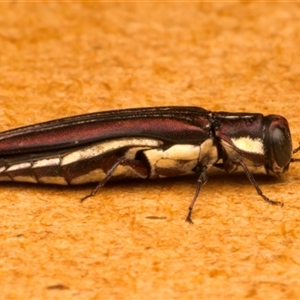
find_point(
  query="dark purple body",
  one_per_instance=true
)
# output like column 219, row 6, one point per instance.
column 173, row 125
column 145, row 143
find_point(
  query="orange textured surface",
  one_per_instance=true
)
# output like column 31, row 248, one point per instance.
column 59, row 60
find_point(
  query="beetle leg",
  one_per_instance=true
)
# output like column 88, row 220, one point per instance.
column 202, row 179
column 121, row 161
column 254, row 183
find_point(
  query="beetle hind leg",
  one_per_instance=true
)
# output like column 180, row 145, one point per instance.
column 139, row 166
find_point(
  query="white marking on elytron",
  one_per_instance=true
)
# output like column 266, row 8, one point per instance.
column 153, row 156
column 24, row 165
column 131, row 152
column 122, row 171
column 182, row 152
column 238, row 117
column 184, row 166
column 53, row 180
column 93, row 176
column 98, row 175
column 103, row 147
column 249, row 144
column 25, row 179
column 2, row 169
column 47, row 162
column 126, row 172
column 182, row 157
column 5, row 178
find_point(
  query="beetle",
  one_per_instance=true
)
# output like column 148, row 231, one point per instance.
column 147, row 143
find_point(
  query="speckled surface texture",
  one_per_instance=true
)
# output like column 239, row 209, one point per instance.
column 59, row 60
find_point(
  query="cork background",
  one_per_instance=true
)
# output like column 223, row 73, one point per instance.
column 131, row 241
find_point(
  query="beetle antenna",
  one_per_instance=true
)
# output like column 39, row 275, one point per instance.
column 295, row 151
column 254, row 183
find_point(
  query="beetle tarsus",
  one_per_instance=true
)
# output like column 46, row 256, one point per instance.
column 87, row 196
column 258, row 190
column 272, row 202
column 201, row 170
column 106, row 178
column 189, row 216
column 97, row 188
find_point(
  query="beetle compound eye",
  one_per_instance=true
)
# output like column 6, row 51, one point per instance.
column 281, row 146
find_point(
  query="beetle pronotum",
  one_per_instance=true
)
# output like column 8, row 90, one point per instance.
column 146, row 143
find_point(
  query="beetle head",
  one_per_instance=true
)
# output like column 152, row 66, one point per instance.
column 277, row 143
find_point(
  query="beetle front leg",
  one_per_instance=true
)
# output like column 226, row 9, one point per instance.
column 202, row 179
column 254, row 183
